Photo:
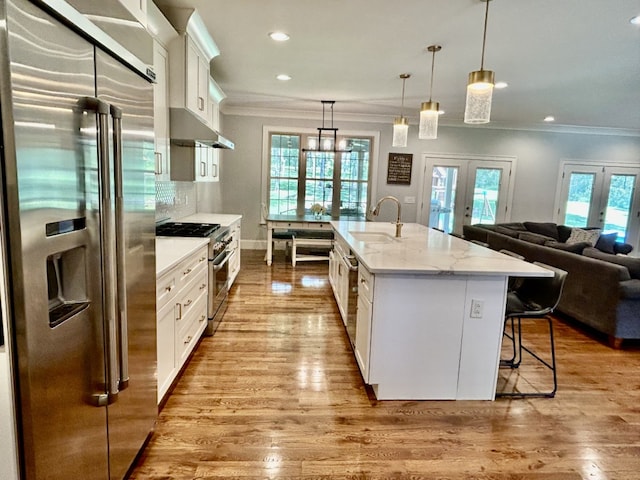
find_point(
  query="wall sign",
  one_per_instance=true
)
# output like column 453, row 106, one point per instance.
column 399, row 168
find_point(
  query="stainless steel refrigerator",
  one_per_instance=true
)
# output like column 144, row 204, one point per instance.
column 78, row 196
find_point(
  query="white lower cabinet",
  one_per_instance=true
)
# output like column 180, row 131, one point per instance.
column 234, row 259
column 363, row 335
column 181, row 302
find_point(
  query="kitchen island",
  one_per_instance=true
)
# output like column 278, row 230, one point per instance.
column 430, row 313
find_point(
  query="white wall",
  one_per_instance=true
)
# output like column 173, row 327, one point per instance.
column 538, row 158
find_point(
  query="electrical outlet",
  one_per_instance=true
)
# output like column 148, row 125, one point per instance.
column 477, row 306
column 409, row 200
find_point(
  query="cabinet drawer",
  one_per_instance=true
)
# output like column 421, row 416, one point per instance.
column 165, row 289
column 187, row 299
column 191, row 267
column 365, row 283
column 188, row 334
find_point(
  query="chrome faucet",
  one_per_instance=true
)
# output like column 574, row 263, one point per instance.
column 376, row 211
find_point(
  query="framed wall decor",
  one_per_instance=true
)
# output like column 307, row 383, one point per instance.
column 399, row 168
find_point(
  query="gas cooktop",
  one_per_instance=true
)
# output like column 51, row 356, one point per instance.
column 178, row 229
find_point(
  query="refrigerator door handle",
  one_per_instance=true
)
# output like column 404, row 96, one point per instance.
column 122, row 327
column 108, row 250
column 109, row 306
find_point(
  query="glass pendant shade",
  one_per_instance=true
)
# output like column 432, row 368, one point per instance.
column 479, row 93
column 400, row 132
column 429, row 114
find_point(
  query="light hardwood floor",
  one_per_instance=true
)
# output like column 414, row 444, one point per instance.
column 276, row 393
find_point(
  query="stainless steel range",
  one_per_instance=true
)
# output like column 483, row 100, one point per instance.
column 219, row 240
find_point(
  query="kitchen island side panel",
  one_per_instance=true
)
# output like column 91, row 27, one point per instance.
column 415, row 339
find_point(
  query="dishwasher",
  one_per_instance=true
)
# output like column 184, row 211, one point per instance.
column 351, row 263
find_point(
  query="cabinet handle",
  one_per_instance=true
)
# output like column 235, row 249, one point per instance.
column 179, row 316
column 158, row 157
column 202, row 318
column 187, row 271
column 216, row 170
column 203, row 169
column 188, row 340
column 188, row 302
column 202, row 259
column 203, row 286
column 200, row 103
column 169, row 288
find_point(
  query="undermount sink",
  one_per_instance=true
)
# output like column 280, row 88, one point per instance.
column 372, row 237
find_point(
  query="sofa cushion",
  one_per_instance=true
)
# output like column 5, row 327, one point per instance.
column 606, row 242
column 623, row 248
column 580, row 235
column 630, row 289
column 564, row 233
column 507, row 231
column 568, row 247
column 632, row 264
column 534, row 238
column 543, row 228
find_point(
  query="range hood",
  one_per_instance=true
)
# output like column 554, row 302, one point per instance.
column 187, row 129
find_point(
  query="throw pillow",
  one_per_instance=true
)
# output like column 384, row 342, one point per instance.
column 606, row 243
column 579, row 235
column 568, row 247
column 623, row 248
column 564, row 233
column 543, row 228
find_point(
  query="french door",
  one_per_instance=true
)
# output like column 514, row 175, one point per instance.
column 604, row 196
column 462, row 191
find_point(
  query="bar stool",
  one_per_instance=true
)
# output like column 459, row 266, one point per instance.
column 535, row 298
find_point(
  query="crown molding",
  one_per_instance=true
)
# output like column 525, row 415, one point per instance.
column 371, row 118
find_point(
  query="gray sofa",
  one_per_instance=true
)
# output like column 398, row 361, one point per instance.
column 602, row 289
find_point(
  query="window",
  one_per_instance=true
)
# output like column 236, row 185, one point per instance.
column 339, row 181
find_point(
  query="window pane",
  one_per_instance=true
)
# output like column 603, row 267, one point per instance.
column 355, row 164
column 579, row 199
column 285, row 155
column 485, row 195
column 619, row 205
column 283, row 196
column 318, row 191
column 443, row 197
column 353, row 198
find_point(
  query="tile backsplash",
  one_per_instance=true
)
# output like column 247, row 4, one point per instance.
column 175, row 200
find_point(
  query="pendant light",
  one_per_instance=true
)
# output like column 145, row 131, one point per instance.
column 480, row 87
column 430, row 111
column 326, row 141
column 401, row 124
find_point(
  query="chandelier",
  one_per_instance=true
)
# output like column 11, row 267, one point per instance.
column 326, row 141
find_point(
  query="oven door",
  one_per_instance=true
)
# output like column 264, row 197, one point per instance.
column 218, row 290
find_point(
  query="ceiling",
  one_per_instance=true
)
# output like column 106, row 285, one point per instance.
column 578, row 60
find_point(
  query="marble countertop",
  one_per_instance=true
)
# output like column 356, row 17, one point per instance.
column 422, row 250
column 172, row 250
column 224, row 219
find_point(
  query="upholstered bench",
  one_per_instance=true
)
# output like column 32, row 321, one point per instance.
column 318, row 240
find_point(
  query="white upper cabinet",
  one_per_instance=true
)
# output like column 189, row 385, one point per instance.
column 163, row 34
column 190, row 56
column 161, row 112
column 196, row 82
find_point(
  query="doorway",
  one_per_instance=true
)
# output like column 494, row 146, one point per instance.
column 603, row 196
column 465, row 190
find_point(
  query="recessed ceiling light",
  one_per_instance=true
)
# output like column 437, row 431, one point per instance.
column 501, row 85
column 279, row 36
column 283, row 76
column 549, row 118
column 635, row 20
